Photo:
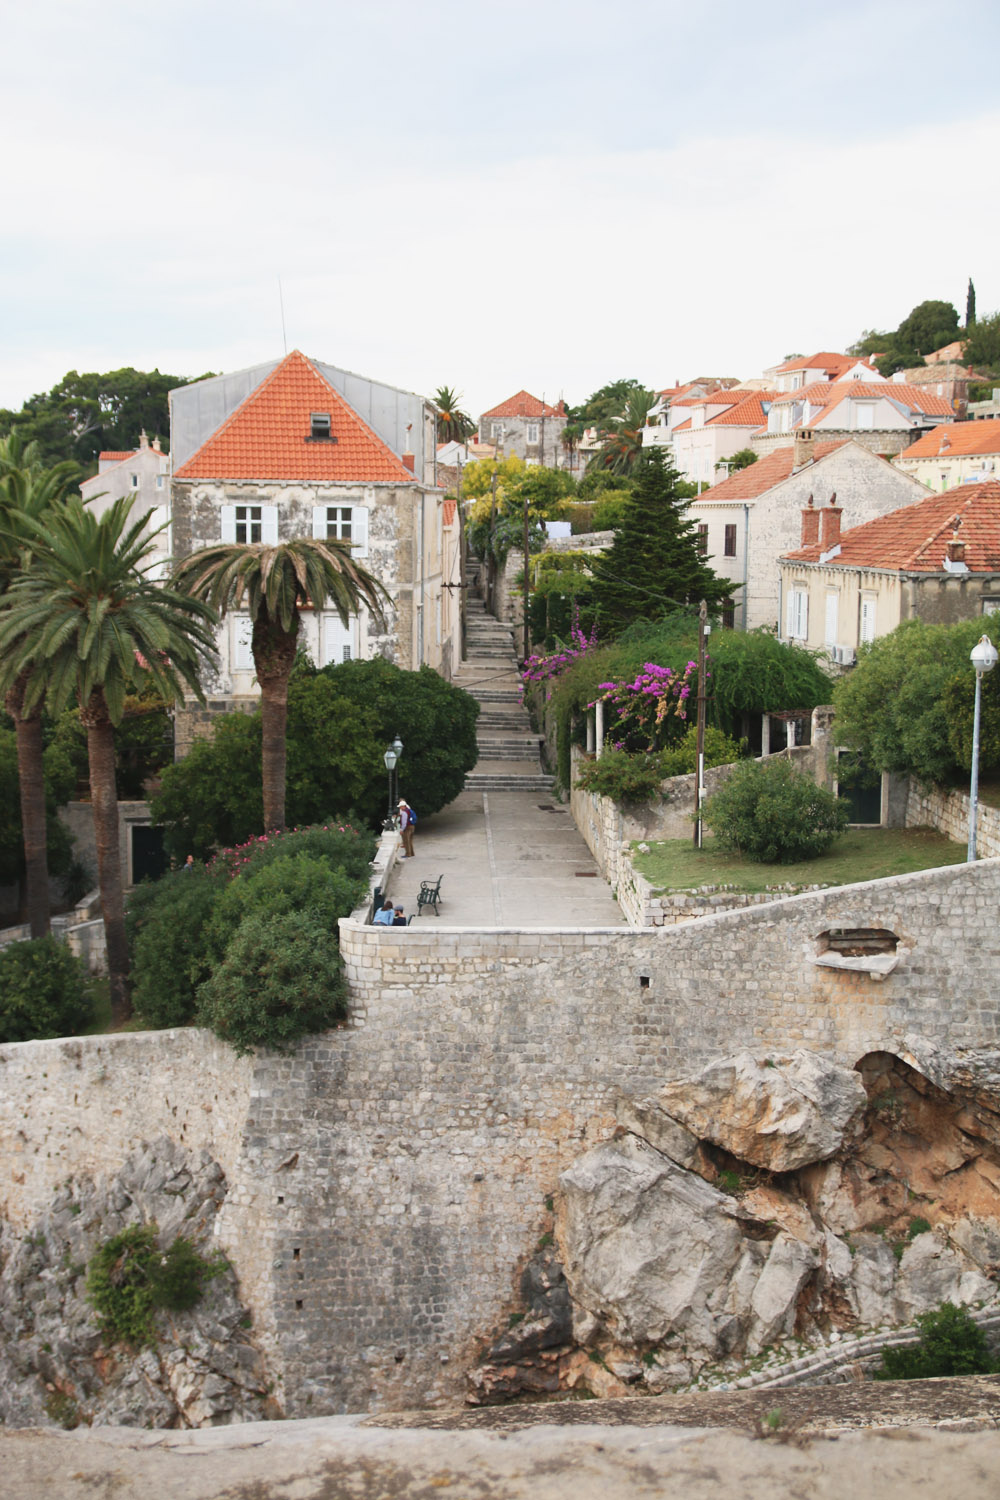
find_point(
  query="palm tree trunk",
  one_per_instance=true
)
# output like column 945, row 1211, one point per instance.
column 273, row 658
column 28, row 732
column 104, row 799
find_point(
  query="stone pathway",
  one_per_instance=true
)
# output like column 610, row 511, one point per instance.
column 509, row 752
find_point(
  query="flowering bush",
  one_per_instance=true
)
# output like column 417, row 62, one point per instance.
column 545, row 668
column 652, row 709
column 338, row 844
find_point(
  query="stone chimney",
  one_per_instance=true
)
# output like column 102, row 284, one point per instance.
column 804, row 445
column 810, row 524
column 156, row 445
column 143, row 439
column 955, row 550
column 408, row 460
column 830, row 524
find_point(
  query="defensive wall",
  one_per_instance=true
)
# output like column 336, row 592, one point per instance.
column 387, row 1181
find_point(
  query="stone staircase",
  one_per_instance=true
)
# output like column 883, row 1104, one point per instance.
column 509, row 754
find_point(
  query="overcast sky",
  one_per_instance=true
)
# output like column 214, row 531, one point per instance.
column 536, row 194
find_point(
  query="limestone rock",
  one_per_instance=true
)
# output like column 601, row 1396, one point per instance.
column 932, row 1271
column 780, row 1117
column 647, row 1118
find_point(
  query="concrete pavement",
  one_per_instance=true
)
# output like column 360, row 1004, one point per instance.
column 509, row 859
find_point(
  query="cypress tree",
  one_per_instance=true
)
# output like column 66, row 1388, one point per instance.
column 654, row 566
column 970, row 305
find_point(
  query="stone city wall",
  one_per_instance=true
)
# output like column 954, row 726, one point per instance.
column 387, row 1181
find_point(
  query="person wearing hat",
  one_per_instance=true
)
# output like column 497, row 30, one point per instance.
column 406, row 822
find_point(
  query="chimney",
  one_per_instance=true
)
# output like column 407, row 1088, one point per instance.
column 156, row 445
column 143, row 439
column 810, row 524
column 830, row 525
column 955, row 552
column 408, row 460
column 804, row 444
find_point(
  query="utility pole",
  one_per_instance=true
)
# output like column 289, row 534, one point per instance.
column 526, row 588
column 463, row 583
column 699, row 793
column 491, row 562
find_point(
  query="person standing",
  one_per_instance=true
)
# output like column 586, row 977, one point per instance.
column 406, row 825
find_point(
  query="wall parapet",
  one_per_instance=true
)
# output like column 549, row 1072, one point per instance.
column 947, row 810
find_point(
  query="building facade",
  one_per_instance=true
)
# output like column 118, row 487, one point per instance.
column 529, row 428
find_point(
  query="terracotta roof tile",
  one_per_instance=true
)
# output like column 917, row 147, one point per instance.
column 823, row 361
column 524, row 404
column 827, row 393
column 267, row 436
column 448, row 509
column 952, row 439
column 756, row 479
column 111, row 456
column 914, row 538
column 746, row 413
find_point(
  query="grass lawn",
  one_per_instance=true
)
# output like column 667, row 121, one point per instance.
column 859, row 854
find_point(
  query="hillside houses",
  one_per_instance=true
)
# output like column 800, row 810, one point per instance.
column 937, row 560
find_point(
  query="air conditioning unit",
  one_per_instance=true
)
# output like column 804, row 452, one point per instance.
column 842, row 655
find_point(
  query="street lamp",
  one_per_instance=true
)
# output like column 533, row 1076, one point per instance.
column 984, row 659
column 390, row 757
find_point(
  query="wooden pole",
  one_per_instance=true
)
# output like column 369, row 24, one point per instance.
column 700, row 773
column 463, row 582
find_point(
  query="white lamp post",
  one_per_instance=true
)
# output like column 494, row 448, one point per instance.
column 984, row 659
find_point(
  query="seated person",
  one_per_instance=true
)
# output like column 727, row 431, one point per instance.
column 383, row 918
column 398, row 920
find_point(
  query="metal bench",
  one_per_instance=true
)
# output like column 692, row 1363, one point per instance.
column 430, row 895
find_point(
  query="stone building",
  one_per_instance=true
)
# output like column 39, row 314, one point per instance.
column 528, row 427
column 882, row 415
column 938, row 561
column 143, row 474
column 750, row 519
column 278, row 452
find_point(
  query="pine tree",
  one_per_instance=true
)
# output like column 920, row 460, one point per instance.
column 970, row 305
column 654, row 566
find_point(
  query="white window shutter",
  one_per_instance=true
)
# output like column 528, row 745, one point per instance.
column 804, row 617
column 242, row 643
column 269, row 525
column 359, row 531
column 319, row 523
column 229, row 523
column 790, row 615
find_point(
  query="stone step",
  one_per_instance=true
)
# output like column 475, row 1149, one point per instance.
column 501, row 724
column 475, row 782
column 511, row 695
column 491, row 751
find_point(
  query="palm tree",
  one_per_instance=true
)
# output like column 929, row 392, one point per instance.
column 622, row 445
column 28, row 489
column 85, row 622
column 452, row 423
column 274, row 584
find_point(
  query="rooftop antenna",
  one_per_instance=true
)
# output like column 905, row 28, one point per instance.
column 281, row 304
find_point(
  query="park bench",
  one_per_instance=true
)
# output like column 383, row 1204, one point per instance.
column 430, row 895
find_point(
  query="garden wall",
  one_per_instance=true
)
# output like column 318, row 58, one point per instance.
column 387, row 1181
column 948, row 812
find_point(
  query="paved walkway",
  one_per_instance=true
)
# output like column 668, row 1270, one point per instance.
column 509, row 859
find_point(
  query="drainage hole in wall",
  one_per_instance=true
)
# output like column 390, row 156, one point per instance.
column 644, row 981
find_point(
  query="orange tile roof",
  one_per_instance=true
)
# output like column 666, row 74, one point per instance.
column 111, row 456
column 266, row 437
column 756, row 479
column 915, row 537
column 828, row 393
column 823, row 361
column 524, row 404
column 952, row 439
column 746, row 413
column 448, row 511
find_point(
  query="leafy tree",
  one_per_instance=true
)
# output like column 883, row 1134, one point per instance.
column 654, row 566
column 740, row 460
column 452, row 422
column 950, row 1344
column 477, row 477
column 86, row 622
column 981, row 347
column 606, row 407
column 622, row 447
column 928, row 326
column 28, row 492
column 892, row 707
column 167, row 923
column 280, row 980
column 43, row 991
column 274, row 583
column 84, row 414
column 774, row 814
column 339, row 722
column 298, row 882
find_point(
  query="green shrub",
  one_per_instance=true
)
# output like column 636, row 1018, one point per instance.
column 292, row 883
column 773, row 814
column 129, row 1277
column 167, row 923
column 720, row 750
column 337, row 844
column 280, row 979
column 950, row 1344
column 622, row 776
column 43, row 991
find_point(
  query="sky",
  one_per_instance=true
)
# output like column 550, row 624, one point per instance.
column 539, row 194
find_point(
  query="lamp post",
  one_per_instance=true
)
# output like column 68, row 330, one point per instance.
column 984, row 659
column 390, row 757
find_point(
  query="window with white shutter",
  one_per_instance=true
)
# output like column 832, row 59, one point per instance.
column 867, row 632
column 337, row 640
column 797, row 619
column 832, row 607
column 342, row 523
column 242, row 639
column 247, row 524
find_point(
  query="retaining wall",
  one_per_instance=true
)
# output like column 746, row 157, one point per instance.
column 388, row 1180
column 948, row 812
